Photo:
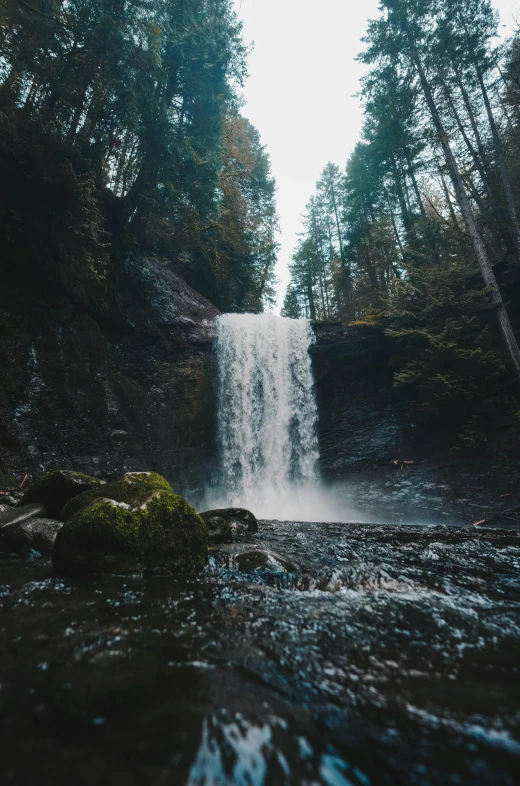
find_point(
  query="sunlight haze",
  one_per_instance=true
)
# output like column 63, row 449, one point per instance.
column 303, row 77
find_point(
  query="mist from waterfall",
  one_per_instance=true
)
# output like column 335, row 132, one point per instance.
column 267, row 420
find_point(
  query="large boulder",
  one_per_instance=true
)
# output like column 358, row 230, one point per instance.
column 240, row 519
column 57, row 488
column 136, row 523
column 35, row 533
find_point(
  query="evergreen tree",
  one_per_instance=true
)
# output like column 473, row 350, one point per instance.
column 128, row 104
column 431, row 190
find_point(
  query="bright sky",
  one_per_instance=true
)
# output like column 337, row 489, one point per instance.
column 300, row 92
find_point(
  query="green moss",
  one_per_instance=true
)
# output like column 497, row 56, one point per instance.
column 160, row 530
column 369, row 320
column 57, row 488
column 133, row 489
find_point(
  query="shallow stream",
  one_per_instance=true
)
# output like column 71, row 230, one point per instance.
column 346, row 654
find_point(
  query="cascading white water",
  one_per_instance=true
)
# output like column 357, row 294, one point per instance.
column 267, row 415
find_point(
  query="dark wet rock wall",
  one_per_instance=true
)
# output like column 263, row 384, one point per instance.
column 122, row 384
column 358, row 426
column 369, row 442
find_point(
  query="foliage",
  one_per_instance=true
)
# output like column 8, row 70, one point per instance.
column 115, row 126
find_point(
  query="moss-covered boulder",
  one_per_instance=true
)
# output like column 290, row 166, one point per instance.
column 57, row 488
column 132, row 488
column 138, row 524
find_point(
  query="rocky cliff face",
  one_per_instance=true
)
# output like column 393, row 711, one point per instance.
column 369, row 451
column 127, row 385
column 358, row 425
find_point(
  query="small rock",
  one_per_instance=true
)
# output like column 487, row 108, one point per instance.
column 256, row 559
column 16, row 515
column 219, row 530
column 240, row 519
column 35, row 533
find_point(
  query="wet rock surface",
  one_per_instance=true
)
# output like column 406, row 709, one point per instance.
column 369, row 440
column 390, row 655
column 137, row 524
column 358, row 425
column 259, row 559
column 32, row 534
column 436, row 492
column 57, row 488
column 123, row 381
column 219, row 529
column 21, row 513
column 240, row 519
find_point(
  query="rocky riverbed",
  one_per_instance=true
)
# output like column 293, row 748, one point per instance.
column 302, row 654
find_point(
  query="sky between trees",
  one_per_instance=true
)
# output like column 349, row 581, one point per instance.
column 300, row 94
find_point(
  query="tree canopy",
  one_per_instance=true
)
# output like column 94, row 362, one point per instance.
column 120, row 127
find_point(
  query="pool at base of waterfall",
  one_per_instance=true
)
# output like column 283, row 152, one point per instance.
column 313, row 654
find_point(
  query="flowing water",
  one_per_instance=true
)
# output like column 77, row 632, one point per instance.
column 267, row 420
column 356, row 656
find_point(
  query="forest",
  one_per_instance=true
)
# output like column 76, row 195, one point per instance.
column 420, row 234
column 120, row 129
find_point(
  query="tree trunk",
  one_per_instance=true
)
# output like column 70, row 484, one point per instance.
column 396, row 231
column 447, row 197
column 310, row 297
column 471, row 226
column 406, row 193
column 371, row 270
column 400, row 195
column 473, row 153
column 415, row 185
column 337, row 223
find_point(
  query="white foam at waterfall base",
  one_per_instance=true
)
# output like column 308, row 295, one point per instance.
column 267, row 421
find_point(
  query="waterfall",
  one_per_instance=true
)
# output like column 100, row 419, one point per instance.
column 267, row 415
